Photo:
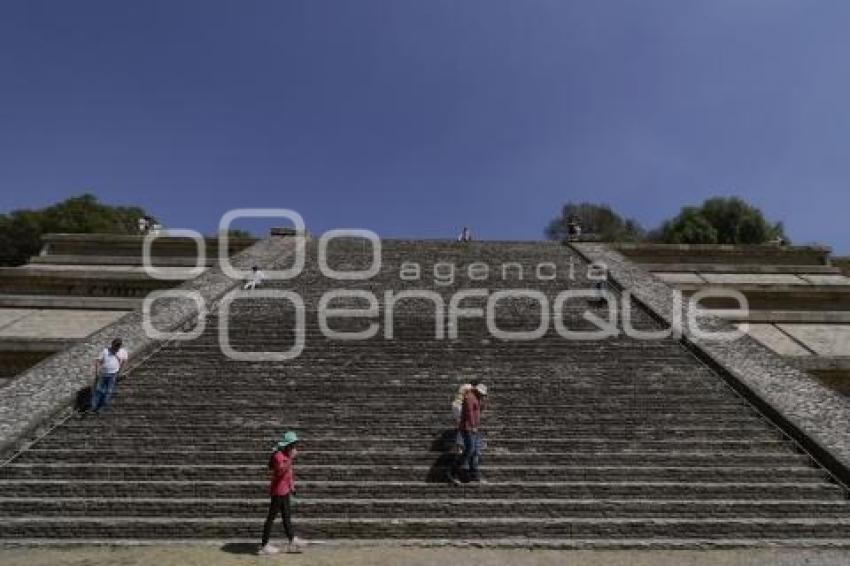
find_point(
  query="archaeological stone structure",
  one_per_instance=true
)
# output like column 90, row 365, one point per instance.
column 80, row 283
column 616, row 441
column 798, row 297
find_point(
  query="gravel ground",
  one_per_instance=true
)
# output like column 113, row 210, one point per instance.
column 243, row 554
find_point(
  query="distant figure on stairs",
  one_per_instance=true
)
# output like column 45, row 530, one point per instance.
column 106, row 368
column 257, row 278
column 465, row 467
column 465, row 235
column 573, row 229
column 282, row 491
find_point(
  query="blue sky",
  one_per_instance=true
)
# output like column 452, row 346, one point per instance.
column 413, row 118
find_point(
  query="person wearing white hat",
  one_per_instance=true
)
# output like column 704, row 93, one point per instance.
column 256, row 280
column 469, row 436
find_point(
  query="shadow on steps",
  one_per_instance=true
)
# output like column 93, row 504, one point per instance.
column 444, row 444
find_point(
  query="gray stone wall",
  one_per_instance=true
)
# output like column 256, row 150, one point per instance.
column 34, row 397
column 818, row 417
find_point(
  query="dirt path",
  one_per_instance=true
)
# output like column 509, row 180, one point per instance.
column 329, row 556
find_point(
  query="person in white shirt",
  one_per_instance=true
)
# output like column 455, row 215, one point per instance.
column 257, row 278
column 465, row 235
column 106, row 368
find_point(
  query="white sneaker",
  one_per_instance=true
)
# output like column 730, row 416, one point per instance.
column 268, row 550
column 293, row 548
column 297, row 541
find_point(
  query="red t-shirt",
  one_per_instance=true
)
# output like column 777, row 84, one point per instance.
column 283, row 475
column 470, row 414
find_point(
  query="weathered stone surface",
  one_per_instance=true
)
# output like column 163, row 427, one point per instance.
column 131, row 245
column 33, row 396
column 827, row 279
column 824, row 339
column 9, row 316
column 818, row 413
column 738, row 268
column 753, row 279
column 777, row 340
column 767, row 255
column 679, row 278
column 64, row 323
column 786, row 285
column 608, row 441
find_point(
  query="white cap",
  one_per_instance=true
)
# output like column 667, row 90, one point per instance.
column 481, row 388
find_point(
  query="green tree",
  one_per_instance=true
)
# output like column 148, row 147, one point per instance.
column 597, row 219
column 21, row 230
column 719, row 221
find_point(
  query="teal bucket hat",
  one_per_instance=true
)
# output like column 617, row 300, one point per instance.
column 289, row 437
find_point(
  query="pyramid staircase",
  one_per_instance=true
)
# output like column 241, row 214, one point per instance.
column 616, row 442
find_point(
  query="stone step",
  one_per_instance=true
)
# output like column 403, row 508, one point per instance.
column 361, row 361
column 406, row 324
column 376, row 395
column 425, row 373
column 388, row 489
column 508, row 366
column 386, row 352
column 618, row 439
column 443, row 369
column 133, row 455
column 402, row 528
column 440, row 367
column 406, row 332
column 353, row 416
column 302, row 410
column 418, row 407
column 245, row 327
column 333, row 396
column 104, row 427
column 400, row 354
column 482, row 341
column 478, row 339
column 363, row 389
column 133, row 472
column 256, row 507
column 369, row 444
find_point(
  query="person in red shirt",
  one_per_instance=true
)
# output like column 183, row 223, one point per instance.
column 282, row 489
column 470, row 437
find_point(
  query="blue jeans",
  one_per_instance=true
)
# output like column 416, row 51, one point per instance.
column 471, row 453
column 102, row 392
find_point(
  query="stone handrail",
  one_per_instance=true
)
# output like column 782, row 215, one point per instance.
column 814, row 415
column 35, row 396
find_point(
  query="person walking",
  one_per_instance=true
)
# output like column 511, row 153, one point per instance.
column 457, row 402
column 469, row 437
column 573, row 229
column 282, row 492
column 257, row 278
column 106, row 368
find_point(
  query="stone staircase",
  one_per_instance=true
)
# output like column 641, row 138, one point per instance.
column 588, row 443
